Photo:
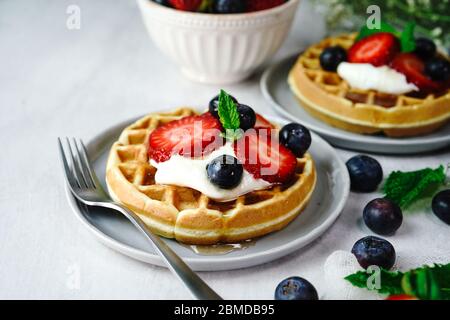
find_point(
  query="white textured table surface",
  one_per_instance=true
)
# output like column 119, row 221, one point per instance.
column 60, row 82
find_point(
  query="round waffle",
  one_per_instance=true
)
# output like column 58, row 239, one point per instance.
column 188, row 215
column 330, row 98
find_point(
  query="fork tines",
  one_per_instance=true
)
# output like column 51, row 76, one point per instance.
column 76, row 164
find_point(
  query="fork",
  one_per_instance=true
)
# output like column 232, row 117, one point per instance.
column 85, row 186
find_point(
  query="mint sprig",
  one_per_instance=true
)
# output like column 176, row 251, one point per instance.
column 406, row 37
column 426, row 283
column 405, row 187
column 229, row 116
column 390, row 281
column 407, row 41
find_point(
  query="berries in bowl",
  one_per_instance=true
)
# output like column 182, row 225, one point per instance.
column 221, row 6
column 218, row 48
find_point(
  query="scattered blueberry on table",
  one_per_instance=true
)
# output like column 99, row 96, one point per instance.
column 372, row 250
column 295, row 288
column 365, row 172
column 441, row 205
column 383, row 216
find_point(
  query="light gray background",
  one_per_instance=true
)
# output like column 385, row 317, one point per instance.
column 54, row 81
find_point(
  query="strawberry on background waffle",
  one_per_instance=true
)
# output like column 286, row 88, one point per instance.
column 375, row 83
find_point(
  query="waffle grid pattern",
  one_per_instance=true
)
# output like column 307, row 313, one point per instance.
column 335, row 85
column 330, row 98
column 129, row 156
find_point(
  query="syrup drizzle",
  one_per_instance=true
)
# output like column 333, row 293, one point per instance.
column 220, row 248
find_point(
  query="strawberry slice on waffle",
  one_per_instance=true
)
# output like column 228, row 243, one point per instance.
column 413, row 68
column 192, row 136
column 262, row 122
column 262, row 156
column 377, row 49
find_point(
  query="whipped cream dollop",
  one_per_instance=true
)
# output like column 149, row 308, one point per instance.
column 188, row 172
column 368, row 77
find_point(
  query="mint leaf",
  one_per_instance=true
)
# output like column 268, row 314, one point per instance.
column 405, row 187
column 390, row 281
column 427, row 282
column 228, row 114
column 384, row 27
column 232, row 134
column 422, row 284
column 407, row 41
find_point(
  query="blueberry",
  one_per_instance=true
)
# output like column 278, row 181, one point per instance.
column 374, row 251
column 214, row 105
column 229, row 6
column 162, row 2
column 365, row 173
column 383, row 216
column 438, row 69
column 247, row 116
column 441, row 205
column 425, row 48
column 225, row 171
column 331, row 57
column 296, row 138
column 295, row 288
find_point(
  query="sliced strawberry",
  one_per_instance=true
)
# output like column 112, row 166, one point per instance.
column 186, row 5
column 262, row 122
column 401, row 297
column 190, row 136
column 413, row 68
column 377, row 49
column 262, row 156
column 258, row 5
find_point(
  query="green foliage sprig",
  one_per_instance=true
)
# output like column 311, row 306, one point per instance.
column 425, row 283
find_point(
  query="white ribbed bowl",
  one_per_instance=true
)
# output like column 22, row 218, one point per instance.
column 218, row 48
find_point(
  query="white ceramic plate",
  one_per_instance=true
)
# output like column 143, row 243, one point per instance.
column 276, row 90
column 116, row 232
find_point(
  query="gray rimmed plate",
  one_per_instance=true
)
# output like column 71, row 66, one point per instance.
column 116, row 232
column 276, row 90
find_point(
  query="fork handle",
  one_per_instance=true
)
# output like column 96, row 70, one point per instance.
column 198, row 288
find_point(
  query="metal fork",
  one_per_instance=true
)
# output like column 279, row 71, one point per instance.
column 85, row 186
